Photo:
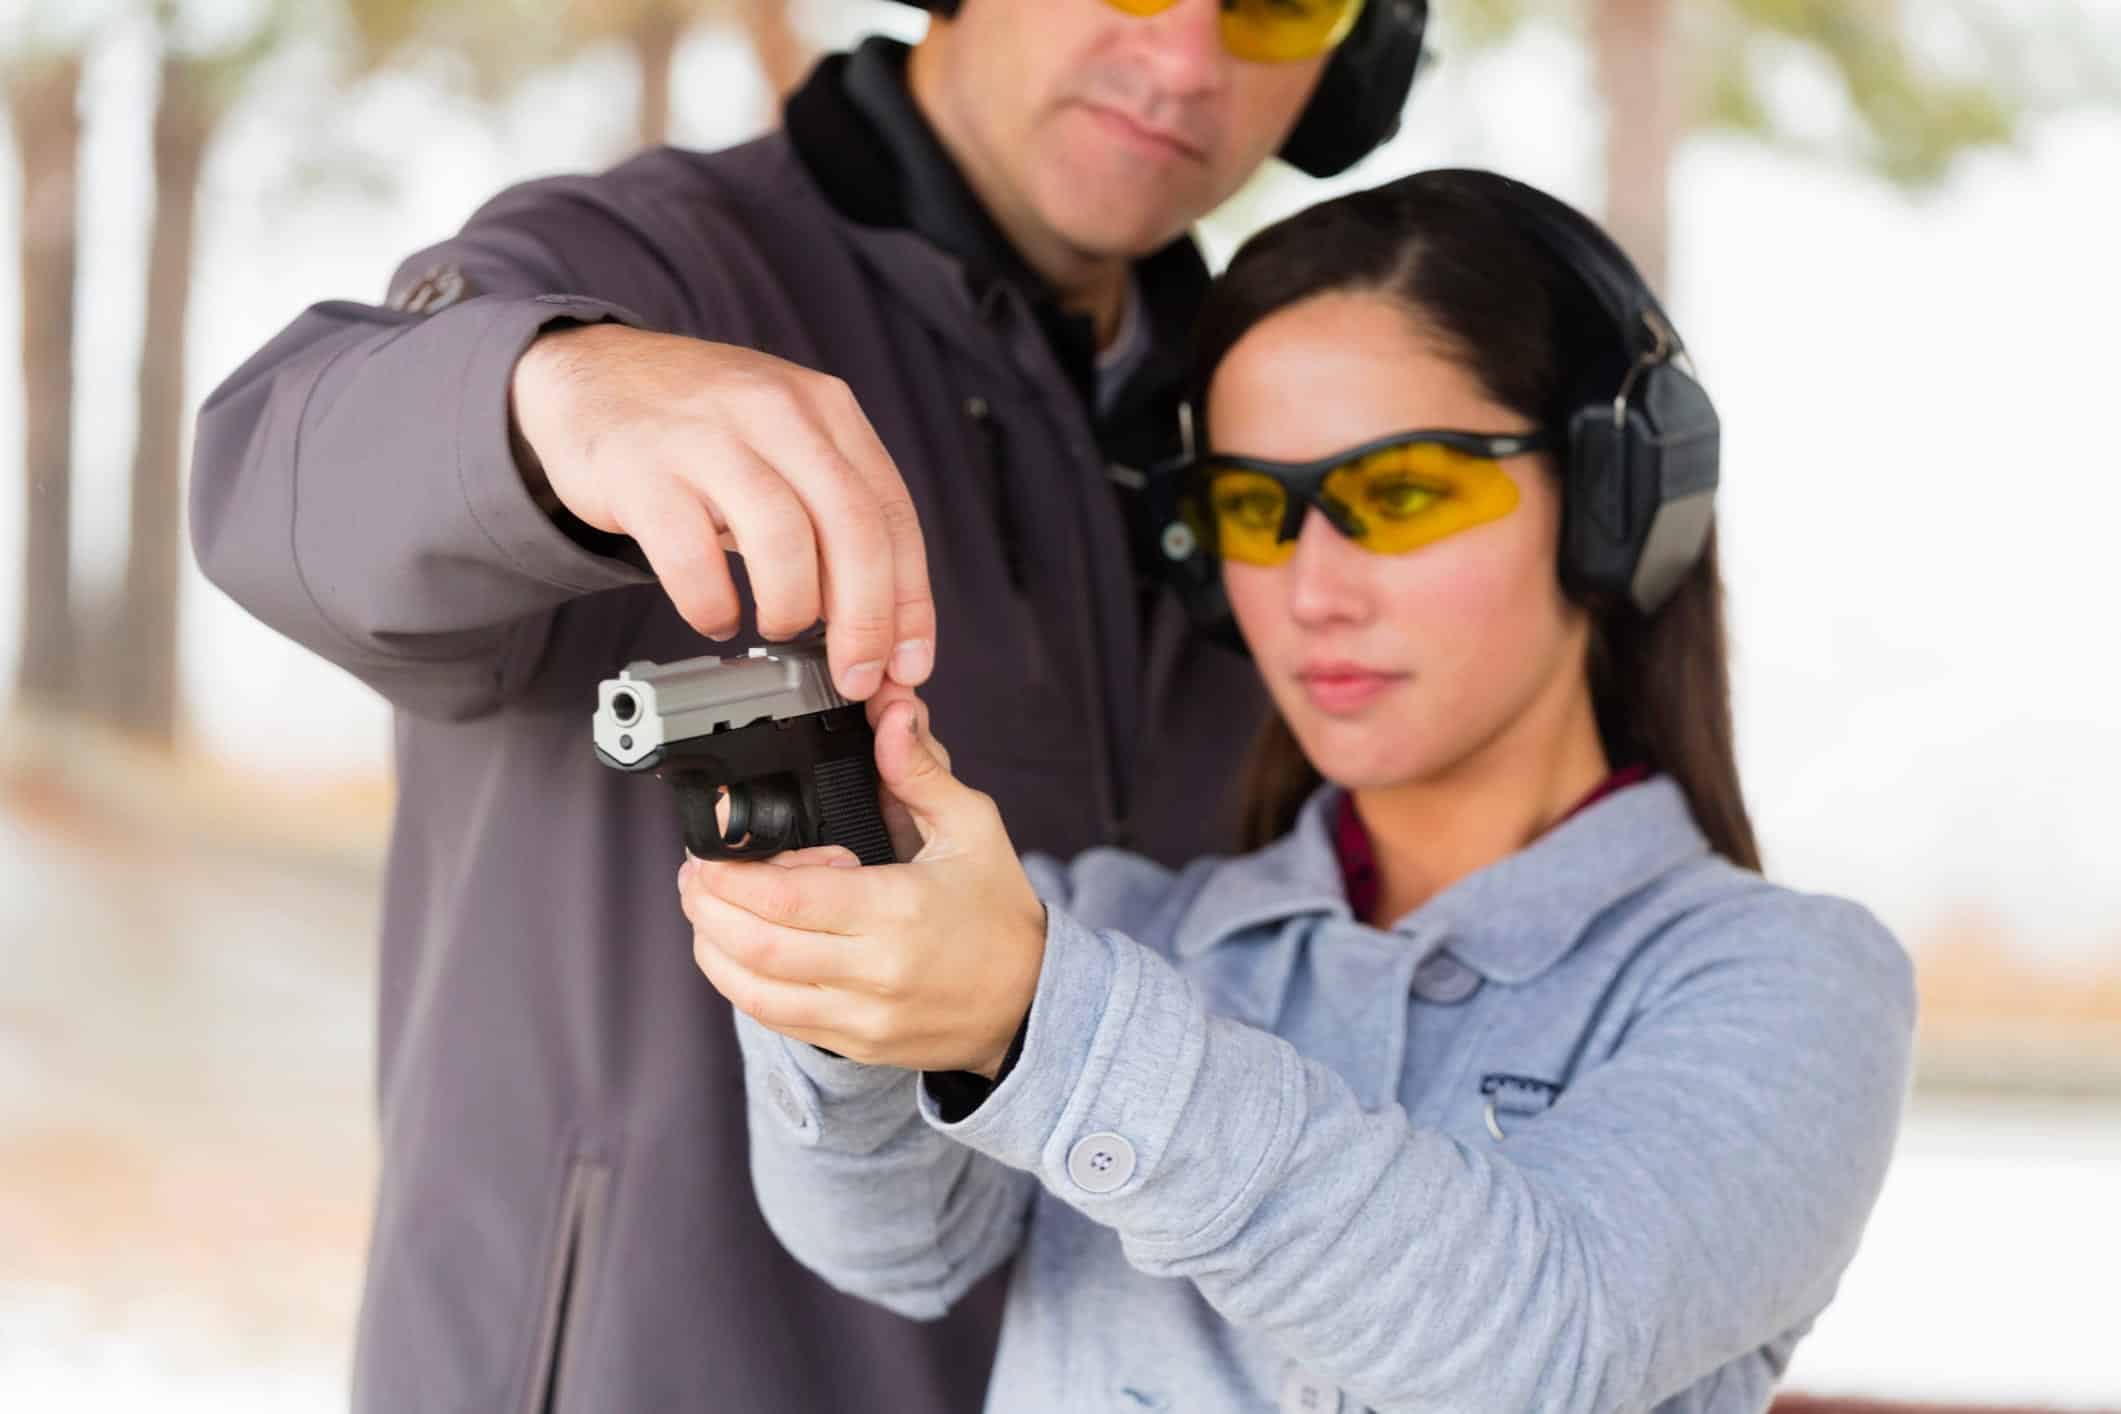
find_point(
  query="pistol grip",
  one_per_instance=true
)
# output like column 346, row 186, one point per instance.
column 846, row 789
column 828, row 795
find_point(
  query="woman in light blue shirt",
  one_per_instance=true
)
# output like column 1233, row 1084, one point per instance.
column 1494, row 1077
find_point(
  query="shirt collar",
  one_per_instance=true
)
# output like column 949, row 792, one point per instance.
column 1509, row 922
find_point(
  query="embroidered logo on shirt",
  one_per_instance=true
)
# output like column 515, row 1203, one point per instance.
column 1514, row 1095
column 1518, row 1094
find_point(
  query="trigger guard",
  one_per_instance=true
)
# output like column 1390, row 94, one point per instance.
column 763, row 819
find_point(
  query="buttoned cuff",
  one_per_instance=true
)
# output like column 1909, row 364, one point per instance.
column 1130, row 1102
column 818, row 1100
column 499, row 503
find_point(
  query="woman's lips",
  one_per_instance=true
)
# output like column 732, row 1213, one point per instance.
column 1339, row 691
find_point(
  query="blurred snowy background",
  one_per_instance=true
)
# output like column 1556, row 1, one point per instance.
column 1887, row 229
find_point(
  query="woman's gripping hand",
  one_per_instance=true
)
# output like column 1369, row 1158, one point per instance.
column 929, row 965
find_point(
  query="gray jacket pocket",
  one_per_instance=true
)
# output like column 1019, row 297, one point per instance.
column 570, row 1268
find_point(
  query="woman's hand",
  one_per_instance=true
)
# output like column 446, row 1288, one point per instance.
column 929, row 965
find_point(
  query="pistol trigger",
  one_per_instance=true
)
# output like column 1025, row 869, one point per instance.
column 762, row 819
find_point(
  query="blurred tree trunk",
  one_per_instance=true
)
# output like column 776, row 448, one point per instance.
column 43, row 111
column 1646, row 113
column 784, row 55
column 144, row 649
column 655, row 32
column 654, row 38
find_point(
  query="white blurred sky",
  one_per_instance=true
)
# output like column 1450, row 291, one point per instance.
column 1921, row 489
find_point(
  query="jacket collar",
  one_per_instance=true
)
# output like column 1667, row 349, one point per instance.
column 1510, row 921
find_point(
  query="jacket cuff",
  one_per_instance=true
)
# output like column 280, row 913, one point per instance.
column 818, row 1100
column 1130, row 1103
column 498, row 501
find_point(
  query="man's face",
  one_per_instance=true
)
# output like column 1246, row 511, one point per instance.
column 1109, row 133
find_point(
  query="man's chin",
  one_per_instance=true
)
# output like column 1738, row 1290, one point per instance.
column 1113, row 219
column 1109, row 235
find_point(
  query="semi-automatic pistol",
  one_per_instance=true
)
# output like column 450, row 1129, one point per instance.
column 766, row 733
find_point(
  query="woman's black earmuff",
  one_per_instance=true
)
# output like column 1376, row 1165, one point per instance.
column 1644, row 442
column 1360, row 95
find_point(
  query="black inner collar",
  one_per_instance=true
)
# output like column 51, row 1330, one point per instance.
column 856, row 127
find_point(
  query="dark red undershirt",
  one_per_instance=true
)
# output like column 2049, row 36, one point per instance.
column 1358, row 860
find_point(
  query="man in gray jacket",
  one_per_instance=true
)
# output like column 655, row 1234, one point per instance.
column 902, row 359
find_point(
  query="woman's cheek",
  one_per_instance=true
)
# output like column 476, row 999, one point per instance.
column 1471, row 619
column 1248, row 588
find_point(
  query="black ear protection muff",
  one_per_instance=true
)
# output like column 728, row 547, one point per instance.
column 1359, row 96
column 1641, row 439
column 1639, row 479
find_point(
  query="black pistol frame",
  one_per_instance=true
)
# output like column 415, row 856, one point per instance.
column 794, row 758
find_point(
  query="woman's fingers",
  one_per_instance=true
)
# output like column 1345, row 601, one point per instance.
column 836, row 856
column 777, row 1005
column 813, row 899
column 784, row 969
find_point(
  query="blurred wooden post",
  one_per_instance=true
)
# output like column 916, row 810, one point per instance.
column 654, row 38
column 784, row 55
column 1632, row 45
column 143, row 666
column 43, row 98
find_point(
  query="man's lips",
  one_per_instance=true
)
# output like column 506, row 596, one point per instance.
column 1337, row 688
column 1144, row 135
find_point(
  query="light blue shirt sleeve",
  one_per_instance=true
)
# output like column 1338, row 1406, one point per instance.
column 1703, row 1185
column 863, row 1193
column 858, row 1189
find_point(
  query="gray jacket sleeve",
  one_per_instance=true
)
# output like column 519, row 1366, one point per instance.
column 1690, row 1196
column 353, row 484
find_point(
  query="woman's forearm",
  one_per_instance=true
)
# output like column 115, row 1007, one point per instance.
column 863, row 1193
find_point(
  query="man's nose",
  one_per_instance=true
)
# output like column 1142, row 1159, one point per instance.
column 1185, row 48
column 1328, row 574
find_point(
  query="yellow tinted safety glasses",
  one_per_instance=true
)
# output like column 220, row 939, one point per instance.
column 1389, row 496
column 1271, row 31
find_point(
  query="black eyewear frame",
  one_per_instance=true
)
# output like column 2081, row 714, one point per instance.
column 1305, row 482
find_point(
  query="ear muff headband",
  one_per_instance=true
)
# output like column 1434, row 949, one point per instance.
column 1644, row 441
column 1360, row 95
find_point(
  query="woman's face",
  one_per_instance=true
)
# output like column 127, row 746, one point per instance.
column 1393, row 669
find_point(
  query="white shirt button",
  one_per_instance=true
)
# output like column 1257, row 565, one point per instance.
column 1305, row 1393
column 1100, row 1162
column 782, row 1096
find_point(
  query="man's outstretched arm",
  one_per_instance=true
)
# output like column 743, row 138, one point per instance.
column 382, row 484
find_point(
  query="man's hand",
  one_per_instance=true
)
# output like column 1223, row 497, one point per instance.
column 693, row 448
column 929, row 965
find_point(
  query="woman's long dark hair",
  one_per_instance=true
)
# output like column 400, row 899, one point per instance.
column 1444, row 247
